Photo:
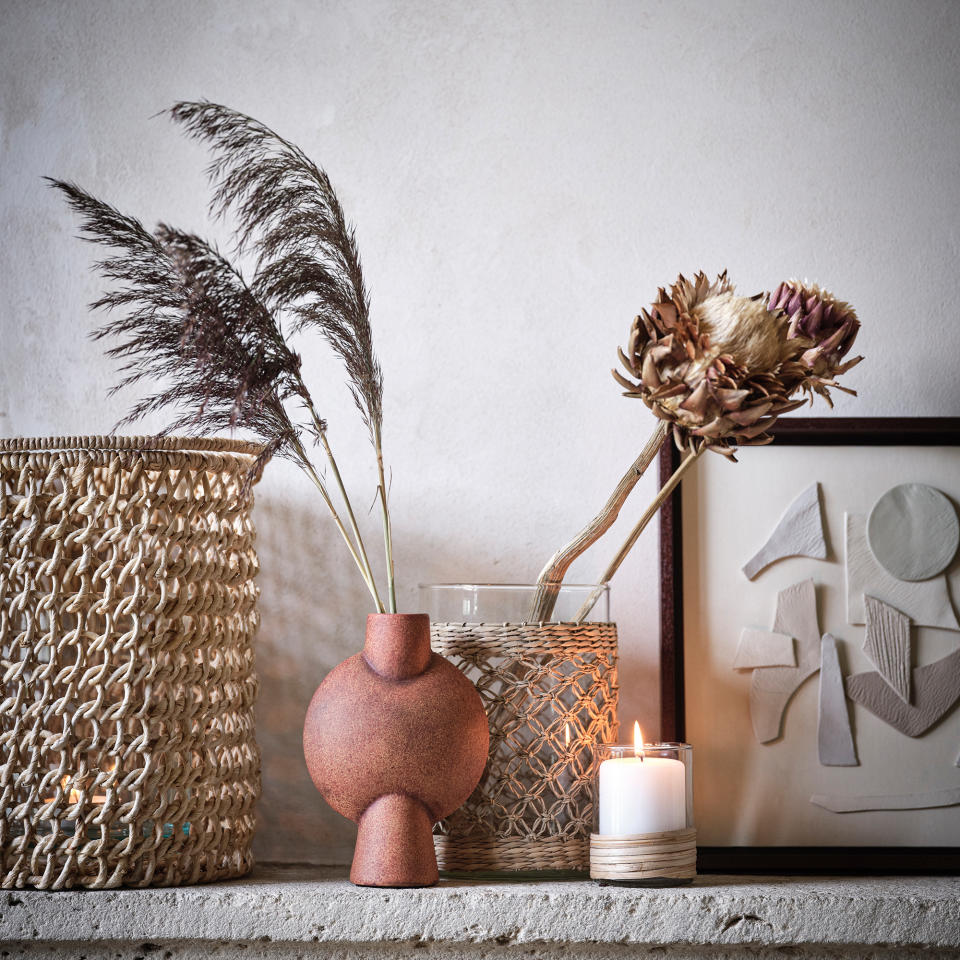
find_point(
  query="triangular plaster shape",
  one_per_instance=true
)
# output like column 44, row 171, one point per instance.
column 904, row 801
column 926, row 603
column 834, row 738
column 772, row 687
column 936, row 689
column 764, row 648
column 799, row 533
column 887, row 644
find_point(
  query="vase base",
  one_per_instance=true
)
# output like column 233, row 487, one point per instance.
column 395, row 845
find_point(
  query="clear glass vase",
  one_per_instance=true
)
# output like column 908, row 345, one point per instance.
column 512, row 603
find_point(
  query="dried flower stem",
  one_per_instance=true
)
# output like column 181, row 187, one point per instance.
column 551, row 577
column 658, row 501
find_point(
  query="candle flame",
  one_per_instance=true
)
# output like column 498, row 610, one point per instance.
column 566, row 734
column 74, row 795
column 74, row 792
column 637, row 740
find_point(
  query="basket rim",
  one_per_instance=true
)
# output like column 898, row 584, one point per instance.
column 142, row 444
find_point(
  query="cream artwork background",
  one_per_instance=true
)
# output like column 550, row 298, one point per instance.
column 758, row 794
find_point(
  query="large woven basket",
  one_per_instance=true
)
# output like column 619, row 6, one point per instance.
column 127, row 613
column 550, row 691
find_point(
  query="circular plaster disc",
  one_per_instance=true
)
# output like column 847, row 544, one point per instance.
column 913, row 531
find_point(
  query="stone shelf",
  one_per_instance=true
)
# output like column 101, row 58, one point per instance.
column 293, row 911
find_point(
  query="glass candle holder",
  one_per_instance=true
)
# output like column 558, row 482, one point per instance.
column 512, row 602
column 643, row 833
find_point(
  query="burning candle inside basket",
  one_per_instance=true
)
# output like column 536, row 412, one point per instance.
column 641, row 793
column 73, row 791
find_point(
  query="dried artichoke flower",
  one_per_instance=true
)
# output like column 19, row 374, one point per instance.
column 831, row 326
column 718, row 367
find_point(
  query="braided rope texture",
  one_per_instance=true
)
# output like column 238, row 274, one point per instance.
column 127, row 613
column 550, row 691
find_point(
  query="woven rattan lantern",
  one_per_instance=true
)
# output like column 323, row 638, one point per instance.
column 550, row 692
column 127, row 613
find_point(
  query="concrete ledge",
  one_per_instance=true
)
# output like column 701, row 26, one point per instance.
column 289, row 905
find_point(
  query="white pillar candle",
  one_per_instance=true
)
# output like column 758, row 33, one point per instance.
column 642, row 795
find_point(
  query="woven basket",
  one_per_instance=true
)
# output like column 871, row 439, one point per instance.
column 550, row 691
column 127, row 612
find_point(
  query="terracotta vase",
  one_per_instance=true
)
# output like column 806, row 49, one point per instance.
column 395, row 739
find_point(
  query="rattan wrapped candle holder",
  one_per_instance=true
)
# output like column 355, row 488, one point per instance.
column 643, row 828
column 127, row 613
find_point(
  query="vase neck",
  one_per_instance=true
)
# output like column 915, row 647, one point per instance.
column 398, row 644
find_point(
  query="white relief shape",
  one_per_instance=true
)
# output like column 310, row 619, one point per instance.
column 926, row 603
column 936, row 689
column 799, row 533
column 903, row 801
column 913, row 531
column 772, row 687
column 834, row 737
column 887, row 644
column 764, row 648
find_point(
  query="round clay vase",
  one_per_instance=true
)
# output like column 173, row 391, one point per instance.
column 395, row 739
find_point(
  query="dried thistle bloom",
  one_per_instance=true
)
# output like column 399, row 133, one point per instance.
column 831, row 326
column 717, row 370
column 720, row 368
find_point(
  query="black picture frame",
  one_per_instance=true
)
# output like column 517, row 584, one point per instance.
column 790, row 431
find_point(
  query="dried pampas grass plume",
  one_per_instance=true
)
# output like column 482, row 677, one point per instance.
column 213, row 348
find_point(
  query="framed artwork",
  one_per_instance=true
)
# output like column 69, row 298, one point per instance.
column 810, row 646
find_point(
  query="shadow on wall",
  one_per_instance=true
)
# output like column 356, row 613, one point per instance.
column 313, row 608
column 309, row 603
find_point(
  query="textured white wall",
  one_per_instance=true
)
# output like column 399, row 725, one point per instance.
column 522, row 177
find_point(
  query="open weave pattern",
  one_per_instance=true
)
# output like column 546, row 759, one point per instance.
column 127, row 614
column 550, row 692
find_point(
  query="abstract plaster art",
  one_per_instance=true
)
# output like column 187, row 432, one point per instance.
column 834, row 739
column 772, row 687
column 936, row 689
column 913, row 531
column 799, row 533
column 926, row 603
column 764, row 648
column 904, row 801
column 887, row 644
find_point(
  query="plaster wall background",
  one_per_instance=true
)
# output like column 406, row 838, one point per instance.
column 522, row 176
